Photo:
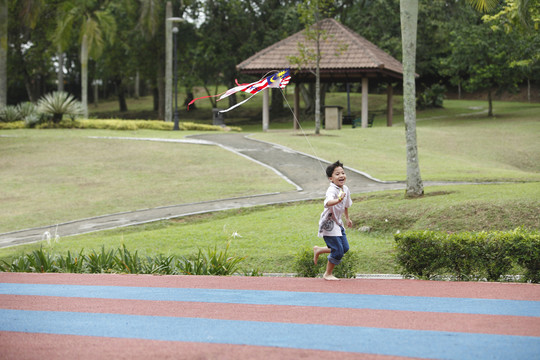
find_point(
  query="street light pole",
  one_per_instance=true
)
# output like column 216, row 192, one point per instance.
column 169, row 71
column 175, row 35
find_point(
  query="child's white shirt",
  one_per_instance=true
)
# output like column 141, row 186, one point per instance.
column 330, row 221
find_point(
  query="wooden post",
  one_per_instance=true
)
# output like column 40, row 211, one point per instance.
column 266, row 109
column 365, row 90
column 389, row 108
column 296, row 124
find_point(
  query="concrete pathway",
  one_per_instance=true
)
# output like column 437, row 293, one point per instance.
column 305, row 172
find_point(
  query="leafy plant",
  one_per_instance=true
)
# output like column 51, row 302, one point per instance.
column 58, row 104
column 214, row 262
column 431, row 97
column 9, row 114
column 304, row 266
column 28, row 113
column 40, row 261
column 101, row 262
column 163, row 265
column 127, row 261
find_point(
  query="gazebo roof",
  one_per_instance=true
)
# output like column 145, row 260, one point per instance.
column 345, row 56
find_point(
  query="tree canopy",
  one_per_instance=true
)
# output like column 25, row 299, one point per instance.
column 127, row 38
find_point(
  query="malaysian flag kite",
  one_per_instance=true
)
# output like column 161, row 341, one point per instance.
column 277, row 80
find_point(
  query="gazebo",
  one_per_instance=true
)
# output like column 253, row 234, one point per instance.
column 345, row 57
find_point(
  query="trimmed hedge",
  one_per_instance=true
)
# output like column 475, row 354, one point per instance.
column 469, row 255
column 111, row 124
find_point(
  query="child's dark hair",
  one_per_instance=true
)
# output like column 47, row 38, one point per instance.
column 330, row 169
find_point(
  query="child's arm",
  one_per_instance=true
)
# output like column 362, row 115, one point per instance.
column 333, row 202
column 349, row 222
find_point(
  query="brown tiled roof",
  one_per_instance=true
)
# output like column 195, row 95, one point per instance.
column 344, row 55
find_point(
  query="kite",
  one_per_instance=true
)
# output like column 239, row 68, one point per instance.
column 279, row 79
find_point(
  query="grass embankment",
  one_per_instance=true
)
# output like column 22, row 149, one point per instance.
column 57, row 175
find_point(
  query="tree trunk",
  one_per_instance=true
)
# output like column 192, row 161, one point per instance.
column 490, row 104
column 318, row 85
column 60, row 74
column 84, row 76
column 121, row 92
column 409, row 19
column 137, row 86
column 3, row 51
column 161, row 93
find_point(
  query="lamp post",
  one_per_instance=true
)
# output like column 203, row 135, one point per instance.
column 175, row 35
column 169, row 74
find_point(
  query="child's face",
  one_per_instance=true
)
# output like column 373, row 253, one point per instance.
column 338, row 176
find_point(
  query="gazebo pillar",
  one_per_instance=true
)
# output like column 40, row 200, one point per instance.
column 296, row 120
column 365, row 85
column 389, row 108
column 266, row 109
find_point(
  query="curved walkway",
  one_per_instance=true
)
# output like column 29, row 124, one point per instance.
column 304, row 171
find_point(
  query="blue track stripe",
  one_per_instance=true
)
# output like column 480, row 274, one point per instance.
column 413, row 343
column 354, row 301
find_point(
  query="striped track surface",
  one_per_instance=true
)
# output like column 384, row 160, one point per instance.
column 51, row 316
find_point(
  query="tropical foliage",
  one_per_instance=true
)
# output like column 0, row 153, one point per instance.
column 120, row 44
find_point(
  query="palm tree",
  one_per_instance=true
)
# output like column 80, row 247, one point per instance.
column 95, row 26
column 409, row 19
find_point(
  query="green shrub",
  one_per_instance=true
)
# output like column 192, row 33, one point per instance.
column 419, row 253
column 59, row 103
column 526, row 249
column 40, row 261
column 9, row 114
column 12, row 125
column 304, row 266
column 29, row 114
column 71, row 264
column 214, row 262
column 128, row 262
column 468, row 255
column 431, row 97
column 101, row 262
column 162, row 265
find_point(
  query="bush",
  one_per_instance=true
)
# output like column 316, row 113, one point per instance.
column 304, row 266
column 12, row 125
column 431, row 97
column 468, row 255
column 59, row 103
column 214, row 262
column 9, row 114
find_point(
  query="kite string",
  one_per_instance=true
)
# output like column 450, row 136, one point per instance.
column 303, row 132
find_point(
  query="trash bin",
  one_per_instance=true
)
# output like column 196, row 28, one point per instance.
column 217, row 117
column 332, row 117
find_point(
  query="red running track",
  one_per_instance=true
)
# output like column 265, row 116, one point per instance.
column 262, row 317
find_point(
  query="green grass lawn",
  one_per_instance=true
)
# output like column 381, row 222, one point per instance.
column 51, row 176
column 270, row 237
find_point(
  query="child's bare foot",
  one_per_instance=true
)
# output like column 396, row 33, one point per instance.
column 329, row 277
column 316, row 253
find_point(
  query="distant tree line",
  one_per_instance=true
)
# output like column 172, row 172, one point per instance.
column 118, row 46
